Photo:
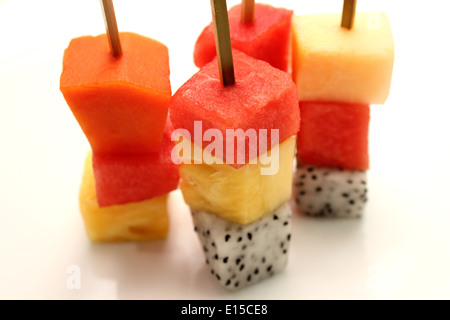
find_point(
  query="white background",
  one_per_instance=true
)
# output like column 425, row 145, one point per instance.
column 398, row 250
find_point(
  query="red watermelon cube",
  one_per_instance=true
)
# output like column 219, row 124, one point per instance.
column 262, row 97
column 266, row 38
column 125, row 178
column 121, row 103
column 334, row 135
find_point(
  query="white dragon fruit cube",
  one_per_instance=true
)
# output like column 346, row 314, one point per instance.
column 330, row 192
column 240, row 255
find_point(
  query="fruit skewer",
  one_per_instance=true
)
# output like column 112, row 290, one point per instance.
column 339, row 70
column 241, row 216
column 122, row 109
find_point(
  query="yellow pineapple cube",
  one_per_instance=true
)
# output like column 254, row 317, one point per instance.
column 331, row 63
column 135, row 221
column 241, row 195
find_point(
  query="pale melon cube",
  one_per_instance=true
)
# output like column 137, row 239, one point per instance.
column 241, row 195
column 134, row 221
column 331, row 63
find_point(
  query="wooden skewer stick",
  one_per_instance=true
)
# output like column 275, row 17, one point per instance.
column 348, row 14
column 111, row 27
column 247, row 11
column 223, row 42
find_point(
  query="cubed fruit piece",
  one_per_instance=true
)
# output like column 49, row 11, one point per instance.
column 241, row 255
column 331, row 63
column 124, row 178
column 330, row 192
column 120, row 103
column 240, row 195
column 263, row 98
column 266, row 38
column 334, row 135
column 136, row 221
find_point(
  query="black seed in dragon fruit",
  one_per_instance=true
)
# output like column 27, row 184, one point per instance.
column 240, row 255
column 330, row 192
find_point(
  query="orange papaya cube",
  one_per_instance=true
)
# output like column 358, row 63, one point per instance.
column 121, row 103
